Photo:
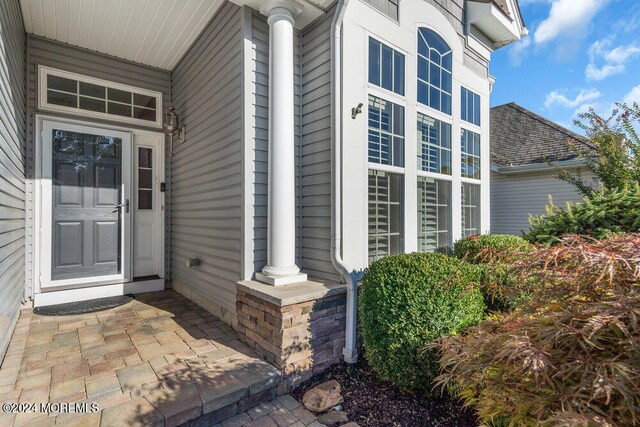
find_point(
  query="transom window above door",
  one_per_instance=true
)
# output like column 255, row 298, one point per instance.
column 70, row 92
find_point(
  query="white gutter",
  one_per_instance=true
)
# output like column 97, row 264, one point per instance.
column 350, row 351
column 536, row 167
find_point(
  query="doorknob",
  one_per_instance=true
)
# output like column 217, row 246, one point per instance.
column 124, row 205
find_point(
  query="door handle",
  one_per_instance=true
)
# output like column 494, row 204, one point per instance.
column 124, row 205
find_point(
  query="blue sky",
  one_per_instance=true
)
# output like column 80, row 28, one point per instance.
column 579, row 54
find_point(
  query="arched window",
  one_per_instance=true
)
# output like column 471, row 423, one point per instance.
column 434, row 71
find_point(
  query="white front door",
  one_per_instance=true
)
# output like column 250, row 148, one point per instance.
column 85, row 209
column 148, row 205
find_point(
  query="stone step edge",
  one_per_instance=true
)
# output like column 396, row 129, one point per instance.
column 233, row 409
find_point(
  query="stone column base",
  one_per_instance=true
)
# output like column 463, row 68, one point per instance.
column 299, row 328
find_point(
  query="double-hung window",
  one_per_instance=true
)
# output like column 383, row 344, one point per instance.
column 386, row 150
column 434, row 184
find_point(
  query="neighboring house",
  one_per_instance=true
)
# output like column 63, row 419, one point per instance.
column 295, row 159
column 521, row 180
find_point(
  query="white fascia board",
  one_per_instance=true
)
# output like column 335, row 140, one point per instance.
column 535, row 167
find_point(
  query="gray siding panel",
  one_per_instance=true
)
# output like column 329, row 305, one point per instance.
column 260, row 109
column 315, row 156
column 61, row 56
column 12, row 162
column 453, row 10
column 207, row 168
column 514, row 197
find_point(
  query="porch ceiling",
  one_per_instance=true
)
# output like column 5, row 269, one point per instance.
column 150, row 32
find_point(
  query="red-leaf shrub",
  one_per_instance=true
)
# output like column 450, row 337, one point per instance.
column 570, row 353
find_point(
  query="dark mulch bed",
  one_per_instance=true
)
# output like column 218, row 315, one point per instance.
column 371, row 402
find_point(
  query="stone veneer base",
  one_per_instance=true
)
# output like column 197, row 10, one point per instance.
column 299, row 328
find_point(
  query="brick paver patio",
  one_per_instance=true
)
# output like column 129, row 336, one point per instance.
column 158, row 360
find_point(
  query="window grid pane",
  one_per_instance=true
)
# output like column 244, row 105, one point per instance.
column 434, row 71
column 434, row 145
column 470, row 106
column 386, row 67
column 385, row 214
column 470, row 209
column 386, row 132
column 434, row 215
column 90, row 97
column 145, row 178
column 470, row 142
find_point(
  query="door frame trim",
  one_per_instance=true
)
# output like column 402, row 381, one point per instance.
column 36, row 197
column 45, row 201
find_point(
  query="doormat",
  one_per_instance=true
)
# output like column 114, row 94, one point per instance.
column 83, row 307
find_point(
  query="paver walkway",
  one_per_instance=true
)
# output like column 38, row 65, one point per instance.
column 283, row 411
column 158, row 360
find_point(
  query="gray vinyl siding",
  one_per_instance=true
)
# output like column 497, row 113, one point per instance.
column 514, row 197
column 316, row 151
column 12, row 159
column 61, row 56
column 207, row 168
column 259, row 68
column 453, row 10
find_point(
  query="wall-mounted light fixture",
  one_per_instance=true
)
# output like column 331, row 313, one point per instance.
column 356, row 110
column 172, row 128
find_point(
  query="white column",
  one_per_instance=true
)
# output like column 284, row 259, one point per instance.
column 281, row 268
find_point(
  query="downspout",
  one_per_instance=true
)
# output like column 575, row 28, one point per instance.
column 350, row 351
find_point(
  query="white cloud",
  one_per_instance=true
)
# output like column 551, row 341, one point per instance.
column 613, row 61
column 600, row 73
column 558, row 98
column 518, row 51
column 567, row 18
column 629, row 24
column 633, row 96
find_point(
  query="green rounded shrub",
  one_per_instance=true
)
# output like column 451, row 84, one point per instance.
column 494, row 256
column 481, row 248
column 406, row 302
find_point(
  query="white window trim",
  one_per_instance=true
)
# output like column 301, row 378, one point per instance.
column 374, row 87
column 434, row 175
column 386, row 168
column 479, row 156
column 386, row 95
column 435, row 114
column 43, row 105
column 467, row 124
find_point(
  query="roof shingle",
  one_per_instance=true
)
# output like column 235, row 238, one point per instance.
column 521, row 137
